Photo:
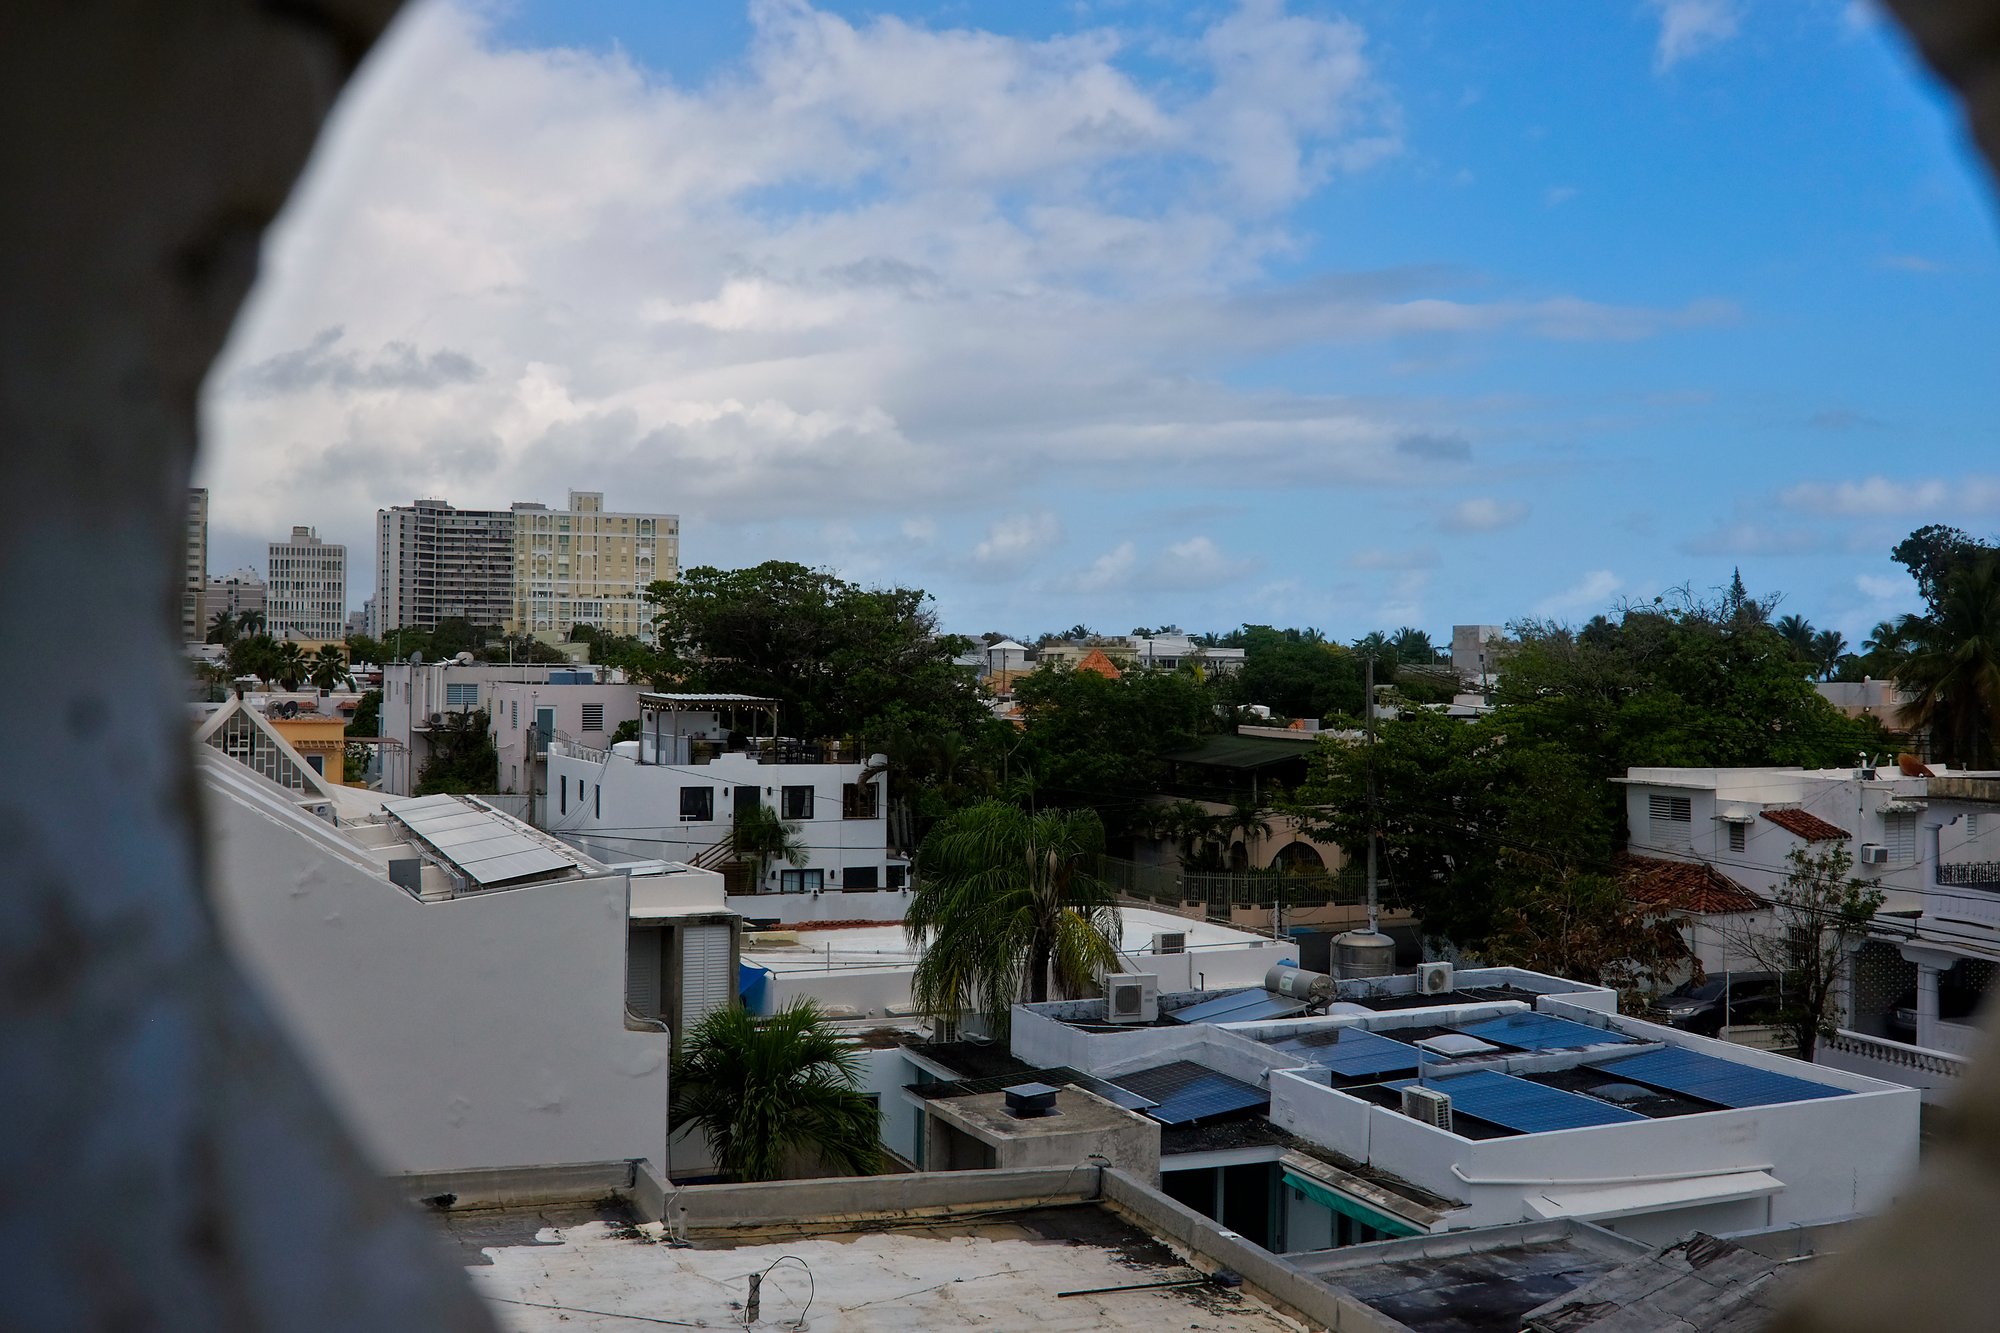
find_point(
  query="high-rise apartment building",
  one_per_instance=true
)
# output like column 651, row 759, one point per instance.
column 434, row 562
column 305, row 593
column 584, row 566
column 194, row 572
column 239, row 594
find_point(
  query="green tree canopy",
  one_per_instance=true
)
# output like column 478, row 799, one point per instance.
column 1091, row 741
column 1954, row 667
column 463, row 759
column 776, row 1096
column 1006, row 909
column 843, row 660
column 1296, row 673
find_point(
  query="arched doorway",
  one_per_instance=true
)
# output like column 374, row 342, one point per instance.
column 1298, row 858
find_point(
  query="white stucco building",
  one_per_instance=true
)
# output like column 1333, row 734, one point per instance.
column 523, row 716
column 1930, row 841
column 423, row 697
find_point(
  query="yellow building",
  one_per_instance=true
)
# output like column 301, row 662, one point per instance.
column 584, row 566
column 321, row 741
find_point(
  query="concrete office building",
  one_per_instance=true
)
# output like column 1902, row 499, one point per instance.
column 435, row 563
column 238, row 594
column 194, row 585
column 305, row 596
column 584, row 566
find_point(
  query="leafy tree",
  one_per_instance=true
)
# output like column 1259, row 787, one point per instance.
column 254, row 655
column 327, row 669
column 843, row 660
column 1829, row 647
column 1582, row 925
column 1192, row 830
column 760, row 837
column 638, row 659
column 1820, row 914
column 1006, row 908
column 1093, row 741
column 1413, row 646
column 1472, row 818
column 463, row 758
column 776, row 1096
column 628, row 730
column 1932, row 554
column 1295, row 673
column 367, row 719
column 1954, row 670
column 521, row 648
column 362, row 648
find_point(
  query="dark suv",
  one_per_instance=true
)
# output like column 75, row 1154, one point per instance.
column 1733, row 999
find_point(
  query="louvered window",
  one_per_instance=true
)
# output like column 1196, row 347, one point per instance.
column 706, row 975
column 593, row 717
column 1739, row 837
column 1899, row 832
column 1671, row 820
column 461, row 696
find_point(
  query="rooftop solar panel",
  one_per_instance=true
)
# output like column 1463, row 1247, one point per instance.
column 1712, row 1079
column 1243, row 1006
column 1352, row 1052
column 485, row 846
column 1185, row 1092
column 1514, row 1103
column 1540, row 1032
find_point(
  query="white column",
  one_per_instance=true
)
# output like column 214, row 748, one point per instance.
column 1930, row 964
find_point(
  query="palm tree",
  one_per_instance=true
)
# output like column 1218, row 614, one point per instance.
column 1189, row 826
column 1828, row 647
column 775, row 1095
column 760, row 837
column 1375, row 644
column 250, row 622
column 1412, row 645
column 290, row 666
column 1891, row 641
column 1006, row 908
column 1955, row 670
column 1798, row 632
column 223, row 628
column 328, row 669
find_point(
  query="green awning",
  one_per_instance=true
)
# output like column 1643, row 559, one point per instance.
column 1328, row 1197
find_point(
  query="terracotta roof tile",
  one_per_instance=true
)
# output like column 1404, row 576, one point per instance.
column 1095, row 660
column 1810, row 827
column 1683, row 886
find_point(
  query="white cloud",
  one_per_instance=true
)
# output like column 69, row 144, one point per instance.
column 1911, row 264
column 1558, row 195
column 1590, row 594
column 1013, row 541
column 1689, row 27
column 1376, row 557
column 1483, row 514
column 1195, row 563
column 1885, row 587
column 1111, row 570
column 1746, row 537
column 1881, row 496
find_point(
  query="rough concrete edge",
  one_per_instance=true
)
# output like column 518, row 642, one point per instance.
column 524, row 1186
column 1599, row 1240
column 836, row 1198
column 1269, row 1276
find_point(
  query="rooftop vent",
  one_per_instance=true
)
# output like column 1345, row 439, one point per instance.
column 1031, row 1101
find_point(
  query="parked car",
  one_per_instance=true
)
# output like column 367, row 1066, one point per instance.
column 1734, row 999
column 1957, row 1003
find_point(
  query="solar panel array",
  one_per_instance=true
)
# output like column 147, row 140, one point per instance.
column 1723, row 1082
column 1515, row 1103
column 1184, row 1092
column 488, row 848
column 1540, row 1032
column 1352, row 1052
column 1244, row 1006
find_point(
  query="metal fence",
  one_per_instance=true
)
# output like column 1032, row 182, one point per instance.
column 1222, row 891
column 1970, row 874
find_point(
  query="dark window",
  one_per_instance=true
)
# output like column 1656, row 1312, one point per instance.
column 562, row 795
column 1738, row 837
column 858, row 877
column 897, row 875
column 597, row 801
column 796, row 803
column 857, row 800
column 698, row 804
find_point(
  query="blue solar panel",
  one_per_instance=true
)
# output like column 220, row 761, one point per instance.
column 1244, row 1006
column 1723, row 1082
column 1352, row 1052
column 1539, row 1032
column 1186, row 1092
column 1515, row 1103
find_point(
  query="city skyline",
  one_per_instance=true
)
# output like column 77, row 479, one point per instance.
column 1338, row 316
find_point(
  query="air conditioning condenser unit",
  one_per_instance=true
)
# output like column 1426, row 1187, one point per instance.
column 1170, row 941
column 1428, row 1105
column 1874, row 854
column 1434, row 979
column 1134, row 998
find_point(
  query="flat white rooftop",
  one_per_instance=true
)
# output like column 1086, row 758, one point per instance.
column 886, row 946
column 1007, row 1273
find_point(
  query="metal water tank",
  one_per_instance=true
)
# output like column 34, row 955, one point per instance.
column 1299, row 984
column 1363, row 953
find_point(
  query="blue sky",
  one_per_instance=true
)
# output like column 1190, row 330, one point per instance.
column 1134, row 313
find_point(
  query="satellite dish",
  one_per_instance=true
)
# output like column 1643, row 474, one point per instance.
column 416, row 659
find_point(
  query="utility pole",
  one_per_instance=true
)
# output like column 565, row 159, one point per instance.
column 1368, row 728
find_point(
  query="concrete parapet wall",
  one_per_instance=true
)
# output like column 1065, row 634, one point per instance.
column 1272, row 1278
column 817, row 1202
column 524, row 1186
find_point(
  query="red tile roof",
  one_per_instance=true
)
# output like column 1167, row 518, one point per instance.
column 1095, row 660
column 1810, row 827
column 1684, row 886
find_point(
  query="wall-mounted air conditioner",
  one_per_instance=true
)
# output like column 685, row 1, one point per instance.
column 1428, row 1105
column 1131, row 999
column 1874, row 854
column 1170, row 941
column 1434, row 979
